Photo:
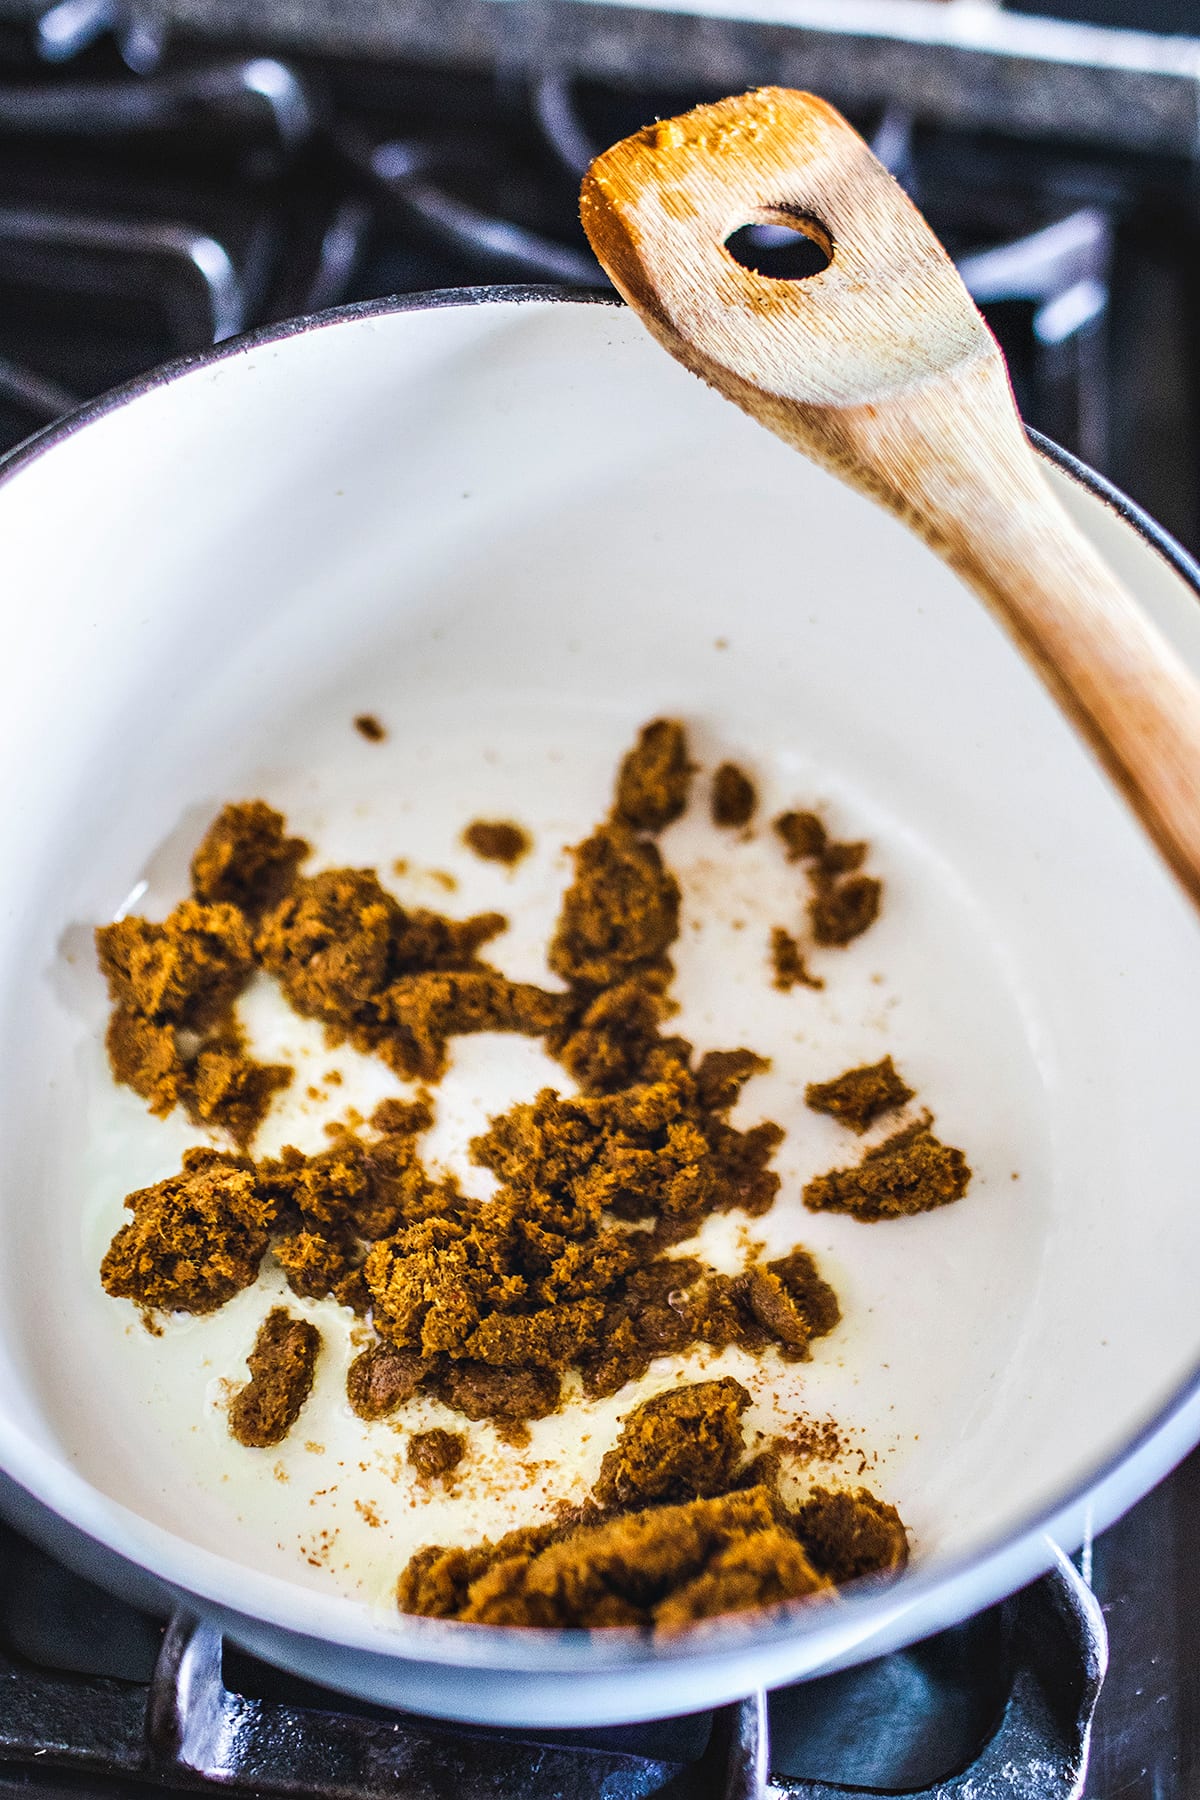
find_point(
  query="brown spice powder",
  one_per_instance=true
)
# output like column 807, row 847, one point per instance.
column 812, row 1440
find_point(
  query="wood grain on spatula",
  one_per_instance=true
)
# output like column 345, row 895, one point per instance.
column 881, row 368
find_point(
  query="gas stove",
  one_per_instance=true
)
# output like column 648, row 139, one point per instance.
column 159, row 194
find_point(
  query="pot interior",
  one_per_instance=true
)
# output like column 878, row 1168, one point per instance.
column 515, row 533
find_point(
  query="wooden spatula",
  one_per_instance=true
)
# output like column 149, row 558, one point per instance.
column 881, row 368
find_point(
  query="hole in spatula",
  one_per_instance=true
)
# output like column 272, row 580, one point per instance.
column 782, row 252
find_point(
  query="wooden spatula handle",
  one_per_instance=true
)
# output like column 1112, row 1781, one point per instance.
column 881, row 368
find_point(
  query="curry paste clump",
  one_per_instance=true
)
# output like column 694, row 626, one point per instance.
column 195, row 1240
column 843, row 902
column 575, row 1270
column 680, row 1527
column 173, row 1036
column 653, row 780
column 281, row 1363
column 246, row 859
column 497, row 840
column 860, row 1095
column 910, row 1172
column 567, row 1265
column 682, row 1445
column 734, row 797
column 394, row 982
column 789, row 964
column 436, row 1454
column 620, row 915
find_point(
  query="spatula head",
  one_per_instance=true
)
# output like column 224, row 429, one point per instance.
column 888, row 312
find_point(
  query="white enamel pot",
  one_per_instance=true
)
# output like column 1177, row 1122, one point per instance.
column 510, row 526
